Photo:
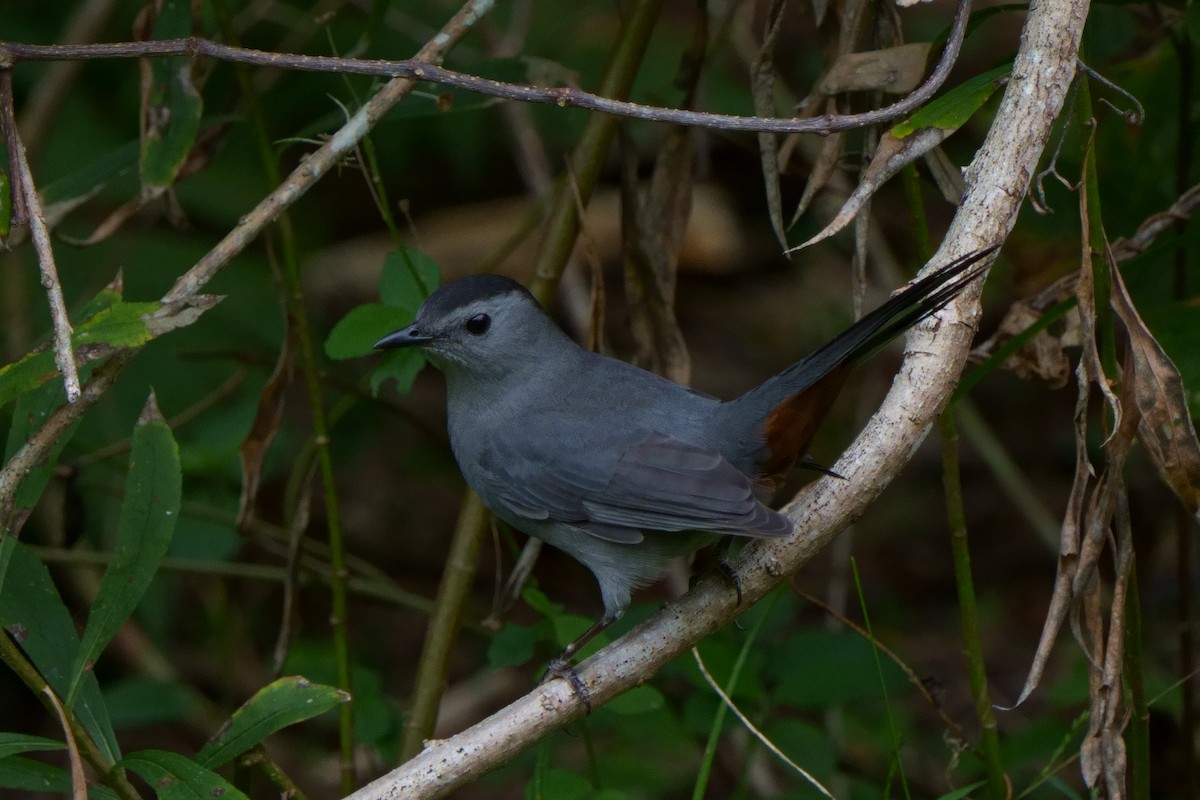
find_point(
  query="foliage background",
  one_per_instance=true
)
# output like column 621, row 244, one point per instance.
column 202, row 639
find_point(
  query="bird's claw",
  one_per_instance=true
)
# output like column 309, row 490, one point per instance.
column 560, row 668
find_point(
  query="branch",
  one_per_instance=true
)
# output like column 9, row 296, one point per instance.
column 419, row 68
column 997, row 182
column 249, row 227
column 24, row 187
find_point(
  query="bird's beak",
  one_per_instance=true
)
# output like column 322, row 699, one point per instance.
column 405, row 337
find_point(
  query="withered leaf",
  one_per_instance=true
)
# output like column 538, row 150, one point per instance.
column 897, row 70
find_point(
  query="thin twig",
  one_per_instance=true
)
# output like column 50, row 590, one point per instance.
column 78, row 780
column 1179, row 211
column 754, row 731
column 23, row 185
column 564, row 97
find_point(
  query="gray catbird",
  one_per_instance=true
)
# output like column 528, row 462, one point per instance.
column 614, row 465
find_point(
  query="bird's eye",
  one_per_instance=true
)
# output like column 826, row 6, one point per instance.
column 478, row 324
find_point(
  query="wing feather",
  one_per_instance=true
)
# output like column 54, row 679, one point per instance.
column 615, row 490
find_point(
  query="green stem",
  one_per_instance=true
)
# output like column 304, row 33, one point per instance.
column 718, row 723
column 916, row 211
column 989, row 739
column 562, row 229
column 297, row 311
column 444, row 624
column 897, row 763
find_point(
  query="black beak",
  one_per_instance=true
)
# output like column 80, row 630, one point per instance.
column 405, row 337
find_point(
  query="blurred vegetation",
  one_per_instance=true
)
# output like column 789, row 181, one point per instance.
column 143, row 503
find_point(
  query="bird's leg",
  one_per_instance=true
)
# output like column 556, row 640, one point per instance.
column 560, row 665
column 721, row 554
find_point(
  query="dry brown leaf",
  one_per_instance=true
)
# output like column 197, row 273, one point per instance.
column 890, row 157
column 262, row 432
column 652, row 230
column 1042, row 356
column 1165, row 426
column 823, row 166
column 897, row 70
column 763, row 90
column 947, row 176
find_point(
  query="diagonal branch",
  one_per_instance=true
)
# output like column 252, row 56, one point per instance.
column 421, row 69
column 35, row 216
column 997, row 183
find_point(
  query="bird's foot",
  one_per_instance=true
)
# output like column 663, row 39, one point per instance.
column 560, row 667
column 732, row 575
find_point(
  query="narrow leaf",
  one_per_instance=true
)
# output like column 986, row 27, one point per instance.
column 253, row 452
column 13, row 743
column 34, row 615
column 171, row 104
column 1165, row 427
column 176, row 777
column 152, row 497
column 763, row 74
column 950, row 110
column 890, row 157
column 284, row 702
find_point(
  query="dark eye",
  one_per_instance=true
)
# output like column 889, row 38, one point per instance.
column 478, row 324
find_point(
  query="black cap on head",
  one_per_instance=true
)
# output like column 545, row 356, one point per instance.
column 468, row 290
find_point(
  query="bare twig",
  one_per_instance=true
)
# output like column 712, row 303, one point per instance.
column 78, row 781
column 753, row 729
column 1148, row 231
column 23, row 186
column 419, row 68
column 34, row 451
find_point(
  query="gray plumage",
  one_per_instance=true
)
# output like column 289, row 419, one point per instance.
column 616, row 466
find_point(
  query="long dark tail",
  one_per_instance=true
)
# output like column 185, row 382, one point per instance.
column 781, row 415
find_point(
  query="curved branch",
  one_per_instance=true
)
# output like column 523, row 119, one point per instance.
column 997, row 182
column 416, row 69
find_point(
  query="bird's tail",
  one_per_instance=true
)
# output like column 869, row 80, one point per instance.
column 784, row 412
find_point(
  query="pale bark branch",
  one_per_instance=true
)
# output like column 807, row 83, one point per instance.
column 24, row 187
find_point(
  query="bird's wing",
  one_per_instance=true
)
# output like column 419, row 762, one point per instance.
column 615, row 489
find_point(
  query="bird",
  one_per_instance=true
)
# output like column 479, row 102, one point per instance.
column 617, row 466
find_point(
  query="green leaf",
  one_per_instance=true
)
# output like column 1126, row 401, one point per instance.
column 119, row 325
column 153, row 491
column 950, row 110
column 112, row 324
column 34, row 615
column 13, row 743
column 284, row 702
column 176, row 777
column 839, row 667
column 171, row 105
column 638, row 700
column 965, row 791
column 356, row 333
column 32, row 410
column 75, row 187
column 140, row 701
column 408, row 277
column 513, row 645
column 401, row 366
